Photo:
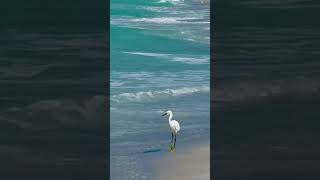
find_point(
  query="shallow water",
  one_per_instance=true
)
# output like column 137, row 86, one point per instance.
column 159, row 60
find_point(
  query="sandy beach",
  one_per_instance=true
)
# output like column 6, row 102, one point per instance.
column 192, row 164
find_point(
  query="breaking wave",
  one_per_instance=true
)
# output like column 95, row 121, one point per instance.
column 145, row 96
column 194, row 59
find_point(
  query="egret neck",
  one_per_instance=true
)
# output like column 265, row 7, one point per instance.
column 170, row 117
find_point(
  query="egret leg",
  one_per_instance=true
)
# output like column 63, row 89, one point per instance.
column 175, row 139
column 171, row 138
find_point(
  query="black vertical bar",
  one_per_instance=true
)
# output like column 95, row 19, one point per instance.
column 54, row 89
column 266, row 90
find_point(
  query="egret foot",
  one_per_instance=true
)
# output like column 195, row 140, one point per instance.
column 171, row 147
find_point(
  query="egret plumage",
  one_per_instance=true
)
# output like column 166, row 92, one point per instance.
column 174, row 127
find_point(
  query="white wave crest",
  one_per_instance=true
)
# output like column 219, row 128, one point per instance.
column 165, row 20
column 145, row 96
column 171, row 1
column 191, row 59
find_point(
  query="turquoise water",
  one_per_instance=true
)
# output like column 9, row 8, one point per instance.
column 159, row 60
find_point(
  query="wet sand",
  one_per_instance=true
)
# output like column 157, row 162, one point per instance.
column 193, row 164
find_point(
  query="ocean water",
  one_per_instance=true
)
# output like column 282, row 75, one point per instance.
column 160, row 60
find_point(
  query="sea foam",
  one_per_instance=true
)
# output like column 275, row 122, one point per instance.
column 145, row 96
column 187, row 59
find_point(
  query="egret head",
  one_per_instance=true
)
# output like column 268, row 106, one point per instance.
column 167, row 113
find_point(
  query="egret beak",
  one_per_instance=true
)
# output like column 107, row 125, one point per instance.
column 164, row 114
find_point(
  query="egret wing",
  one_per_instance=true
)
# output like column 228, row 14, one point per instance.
column 176, row 125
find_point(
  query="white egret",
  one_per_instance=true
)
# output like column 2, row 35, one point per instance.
column 174, row 126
